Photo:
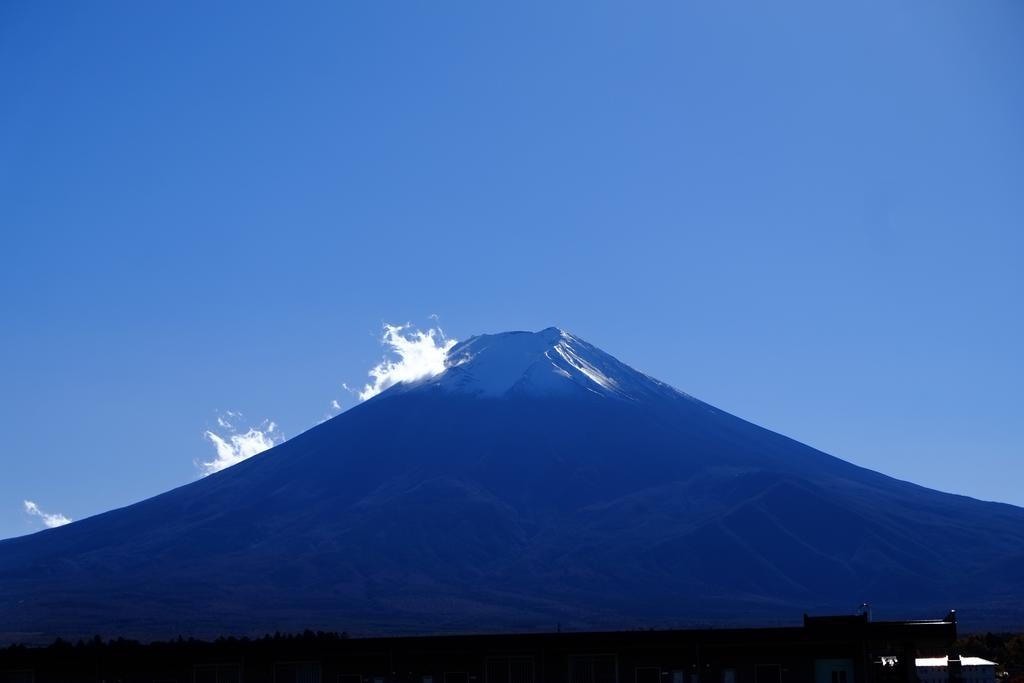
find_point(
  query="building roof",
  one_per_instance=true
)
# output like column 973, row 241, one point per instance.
column 944, row 661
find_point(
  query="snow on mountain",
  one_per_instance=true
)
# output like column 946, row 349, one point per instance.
column 549, row 362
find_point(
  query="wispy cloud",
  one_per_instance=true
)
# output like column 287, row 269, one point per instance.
column 412, row 354
column 49, row 520
column 332, row 411
column 337, row 405
column 419, row 354
column 233, row 446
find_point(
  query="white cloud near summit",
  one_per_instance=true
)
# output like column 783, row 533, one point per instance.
column 50, row 520
column 234, row 446
column 419, row 354
column 413, row 354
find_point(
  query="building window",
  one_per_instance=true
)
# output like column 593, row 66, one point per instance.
column 297, row 672
column 728, row 675
column 593, row 669
column 510, row 670
column 217, row 673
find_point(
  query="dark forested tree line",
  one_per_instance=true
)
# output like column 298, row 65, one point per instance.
column 1005, row 649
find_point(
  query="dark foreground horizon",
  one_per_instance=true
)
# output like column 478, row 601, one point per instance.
column 824, row 649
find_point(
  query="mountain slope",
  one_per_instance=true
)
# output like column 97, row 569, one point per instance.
column 536, row 481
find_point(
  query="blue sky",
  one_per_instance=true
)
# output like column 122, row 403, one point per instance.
column 808, row 214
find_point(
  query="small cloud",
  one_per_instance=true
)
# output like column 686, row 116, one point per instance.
column 333, row 411
column 49, row 520
column 234, row 446
column 420, row 354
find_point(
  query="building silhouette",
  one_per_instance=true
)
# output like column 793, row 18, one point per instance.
column 838, row 649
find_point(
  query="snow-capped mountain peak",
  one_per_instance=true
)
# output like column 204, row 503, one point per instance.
column 548, row 362
column 469, row 501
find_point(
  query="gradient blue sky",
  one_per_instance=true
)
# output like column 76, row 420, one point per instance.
column 809, row 215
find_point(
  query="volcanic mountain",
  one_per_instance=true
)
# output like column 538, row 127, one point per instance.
column 536, row 481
